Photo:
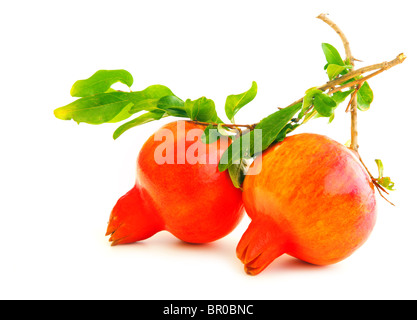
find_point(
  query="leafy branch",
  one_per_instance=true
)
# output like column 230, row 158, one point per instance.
column 342, row 82
column 357, row 85
column 353, row 103
column 99, row 103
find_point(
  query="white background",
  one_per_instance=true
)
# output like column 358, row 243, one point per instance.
column 59, row 180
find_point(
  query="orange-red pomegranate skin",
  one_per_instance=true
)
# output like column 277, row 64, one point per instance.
column 312, row 200
column 193, row 201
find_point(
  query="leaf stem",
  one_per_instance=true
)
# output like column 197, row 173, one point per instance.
column 356, row 82
column 228, row 125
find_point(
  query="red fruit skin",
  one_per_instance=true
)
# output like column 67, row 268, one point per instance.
column 133, row 218
column 312, row 200
column 193, row 201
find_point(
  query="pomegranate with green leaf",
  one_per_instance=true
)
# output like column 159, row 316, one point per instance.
column 312, row 199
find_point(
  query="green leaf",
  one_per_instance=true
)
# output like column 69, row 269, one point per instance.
column 308, row 100
column 289, row 127
column 122, row 115
column 210, row 134
column 202, row 109
column 340, row 96
column 383, row 181
column 324, row 104
column 242, row 147
column 250, row 143
column 144, row 118
column 97, row 109
column 365, row 97
column 332, row 55
column 380, row 168
column 237, row 173
column 100, row 82
column 333, row 70
column 235, row 102
column 113, row 106
column 272, row 125
column 148, row 98
column 387, row 183
column 173, row 106
column 331, row 118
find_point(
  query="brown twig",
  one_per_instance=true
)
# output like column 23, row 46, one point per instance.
column 375, row 182
column 353, row 96
column 309, row 116
column 341, row 34
column 356, row 82
column 353, row 100
column 379, row 188
column 228, row 125
column 336, row 84
column 383, row 65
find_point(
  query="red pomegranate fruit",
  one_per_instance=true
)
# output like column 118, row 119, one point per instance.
column 179, row 189
column 312, row 200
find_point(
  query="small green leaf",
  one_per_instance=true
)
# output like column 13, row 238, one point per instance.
column 242, row 147
column 144, row 118
column 289, row 127
column 332, row 55
column 202, row 109
column 340, row 96
column 380, row 168
column 324, row 104
column 308, row 100
column 250, row 143
column 334, row 70
column 237, row 173
column 100, row 82
column 365, row 97
column 387, row 183
column 173, row 106
column 235, row 102
column 273, row 124
column 383, row 181
column 97, row 109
